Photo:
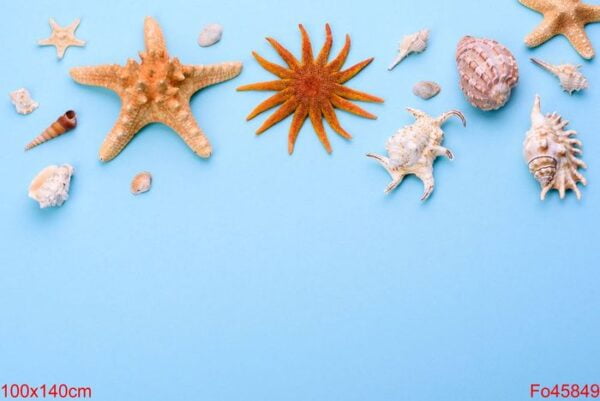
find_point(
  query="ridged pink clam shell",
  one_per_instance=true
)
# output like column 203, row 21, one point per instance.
column 488, row 72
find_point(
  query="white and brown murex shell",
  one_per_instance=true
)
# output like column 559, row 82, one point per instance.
column 50, row 187
column 488, row 72
column 413, row 43
column 550, row 152
column 571, row 79
column 414, row 148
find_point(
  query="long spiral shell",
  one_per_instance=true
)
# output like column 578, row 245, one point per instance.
column 488, row 72
column 63, row 124
column 550, row 152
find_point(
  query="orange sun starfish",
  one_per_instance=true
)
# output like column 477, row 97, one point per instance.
column 311, row 88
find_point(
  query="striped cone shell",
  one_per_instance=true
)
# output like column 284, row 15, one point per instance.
column 488, row 72
column 63, row 124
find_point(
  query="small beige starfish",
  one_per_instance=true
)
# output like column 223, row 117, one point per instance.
column 563, row 17
column 62, row 38
column 157, row 90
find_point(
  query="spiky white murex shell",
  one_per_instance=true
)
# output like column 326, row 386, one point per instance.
column 550, row 152
column 413, row 43
column 488, row 72
column 414, row 148
column 571, row 79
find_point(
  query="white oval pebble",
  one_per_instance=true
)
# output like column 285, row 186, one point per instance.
column 210, row 35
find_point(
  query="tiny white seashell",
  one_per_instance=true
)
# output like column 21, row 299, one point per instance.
column 571, row 79
column 413, row 43
column 551, row 153
column 141, row 183
column 426, row 89
column 51, row 186
column 23, row 102
column 210, row 35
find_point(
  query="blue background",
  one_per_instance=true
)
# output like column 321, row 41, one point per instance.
column 258, row 276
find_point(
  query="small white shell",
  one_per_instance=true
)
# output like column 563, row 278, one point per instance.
column 210, row 35
column 51, row 186
column 413, row 43
column 426, row 89
column 141, row 183
column 23, row 102
column 571, row 79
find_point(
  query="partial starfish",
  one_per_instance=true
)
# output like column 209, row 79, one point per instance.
column 62, row 38
column 563, row 17
column 310, row 88
column 156, row 90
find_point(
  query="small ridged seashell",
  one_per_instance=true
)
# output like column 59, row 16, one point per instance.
column 571, row 79
column 488, row 72
column 413, row 43
column 141, row 183
column 51, row 186
column 210, row 35
column 426, row 89
column 63, row 124
column 23, row 102
column 551, row 153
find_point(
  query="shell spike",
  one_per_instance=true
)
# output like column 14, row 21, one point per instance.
column 537, row 117
column 416, row 113
column 449, row 114
column 543, row 64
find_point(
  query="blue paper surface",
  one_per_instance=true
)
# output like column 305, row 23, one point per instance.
column 256, row 275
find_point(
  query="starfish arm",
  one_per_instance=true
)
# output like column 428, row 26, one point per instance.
column 536, row 5
column 337, row 63
column 545, row 31
column 46, row 42
column 324, row 53
column 78, row 42
column 60, row 51
column 297, row 122
column 314, row 113
column 345, row 105
column 130, row 121
column 73, row 26
column 332, row 120
column 273, row 68
column 201, row 76
column 348, row 74
column 271, row 102
column 185, row 125
column 285, row 110
column 277, row 85
column 591, row 12
column 580, row 41
column 284, row 54
column 106, row 76
column 307, row 53
column 53, row 24
column 352, row 94
column 153, row 36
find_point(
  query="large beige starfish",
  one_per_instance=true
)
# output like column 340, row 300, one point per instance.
column 62, row 38
column 156, row 90
column 563, row 17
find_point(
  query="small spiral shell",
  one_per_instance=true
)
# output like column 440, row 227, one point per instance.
column 63, row 124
